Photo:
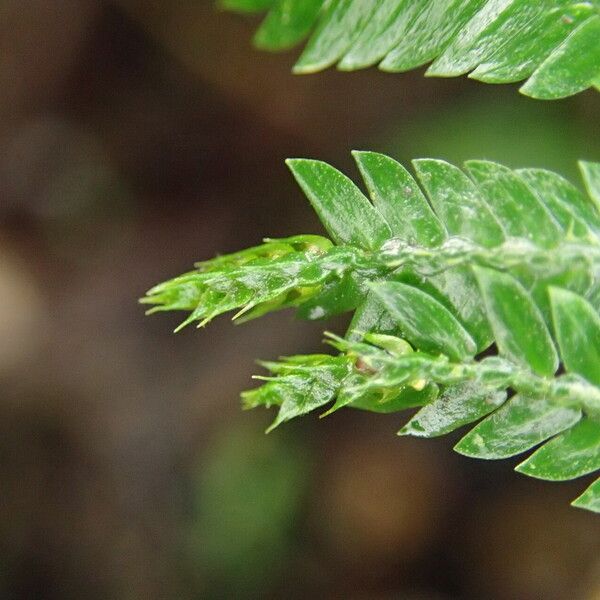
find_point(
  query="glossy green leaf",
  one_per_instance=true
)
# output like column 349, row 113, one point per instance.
column 288, row 23
column 514, row 205
column 554, row 43
column 576, row 277
column 483, row 34
column 424, row 321
column 458, row 405
column 518, row 325
column 519, row 55
column 336, row 297
column 405, row 397
column 517, row 426
column 569, row 207
column 590, row 499
column 343, row 209
column 571, row 454
column 342, row 21
column 427, row 28
column 458, row 203
column 577, row 327
column 299, row 386
column 590, row 172
column 382, row 32
column 371, row 316
column 399, row 199
column 571, row 68
column 255, row 286
column 457, row 290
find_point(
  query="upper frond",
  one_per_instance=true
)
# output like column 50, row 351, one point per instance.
column 532, row 223
column 440, row 268
column 555, row 44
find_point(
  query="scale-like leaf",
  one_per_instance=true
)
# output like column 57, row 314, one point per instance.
column 287, row 24
column 371, row 316
column 514, row 205
column 458, row 203
column 457, row 290
column 431, row 27
column 459, row 405
column 300, row 385
column 341, row 22
column 569, row 207
column 483, row 34
column 388, row 22
column 590, row 499
column 399, row 199
column 571, row 454
column 406, row 397
column 343, row 209
column 590, row 172
column 519, row 425
column 518, row 326
column 577, row 327
column 572, row 67
column 424, row 321
column 554, row 43
column 337, row 297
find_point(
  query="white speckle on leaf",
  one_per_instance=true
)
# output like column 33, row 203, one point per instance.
column 316, row 313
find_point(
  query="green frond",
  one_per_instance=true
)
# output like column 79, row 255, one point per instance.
column 532, row 223
column 470, row 287
column 554, row 45
column 559, row 412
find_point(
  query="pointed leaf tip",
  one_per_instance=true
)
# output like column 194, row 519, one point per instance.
column 343, row 209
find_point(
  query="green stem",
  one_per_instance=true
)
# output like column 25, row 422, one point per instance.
column 391, row 371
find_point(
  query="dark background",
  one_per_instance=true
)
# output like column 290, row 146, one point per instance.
column 138, row 136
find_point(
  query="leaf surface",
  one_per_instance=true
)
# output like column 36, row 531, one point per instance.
column 571, row 454
column 514, row 205
column 424, row 321
column 517, row 426
column 590, row 499
column 459, row 405
column 577, row 327
column 399, row 199
column 518, row 326
column 287, row 24
column 343, row 209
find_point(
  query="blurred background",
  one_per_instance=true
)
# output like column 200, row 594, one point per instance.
column 137, row 136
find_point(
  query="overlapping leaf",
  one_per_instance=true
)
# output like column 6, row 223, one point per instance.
column 555, row 44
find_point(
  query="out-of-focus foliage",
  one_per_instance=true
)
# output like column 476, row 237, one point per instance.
column 247, row 497
column 554, row 44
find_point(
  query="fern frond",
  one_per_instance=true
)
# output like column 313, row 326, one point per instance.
column 555, row 44
column 455, row 388
column 532, row 223
column 439, row 268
